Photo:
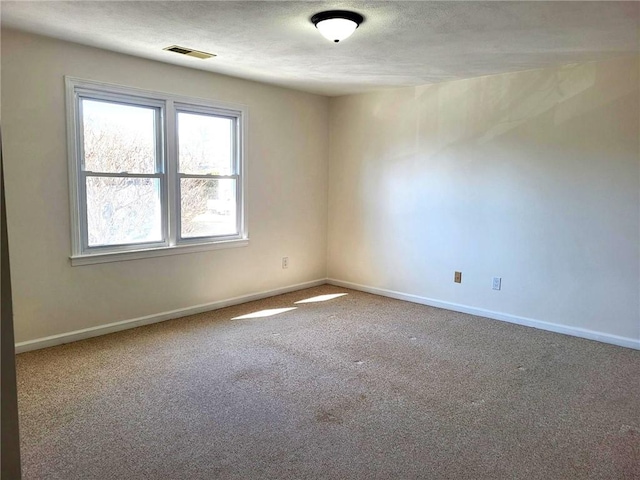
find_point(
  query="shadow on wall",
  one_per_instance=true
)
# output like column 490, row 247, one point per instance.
column 505, row 103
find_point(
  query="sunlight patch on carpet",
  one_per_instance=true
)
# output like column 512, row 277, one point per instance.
column 322, row 298
column 264, row 313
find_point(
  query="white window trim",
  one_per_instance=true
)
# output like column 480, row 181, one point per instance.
column 170, row 246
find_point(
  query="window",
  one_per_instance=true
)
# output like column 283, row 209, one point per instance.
column 152, row 174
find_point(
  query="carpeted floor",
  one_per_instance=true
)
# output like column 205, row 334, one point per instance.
column 356, row 387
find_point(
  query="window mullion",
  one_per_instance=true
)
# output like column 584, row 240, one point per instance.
column 173, row 186
column 161, row 169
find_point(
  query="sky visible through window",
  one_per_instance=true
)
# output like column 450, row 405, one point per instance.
column 205, row 144
column 118, row 138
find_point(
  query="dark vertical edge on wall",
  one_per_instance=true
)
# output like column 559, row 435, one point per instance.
column 10, row 451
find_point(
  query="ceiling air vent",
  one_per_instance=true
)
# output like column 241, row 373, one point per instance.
column 189, row 51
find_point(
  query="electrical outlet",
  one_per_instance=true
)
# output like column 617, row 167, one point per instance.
column 497, row 283
column 285, row 262
column 457, row 277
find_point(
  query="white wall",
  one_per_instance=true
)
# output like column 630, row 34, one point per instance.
column 532, row 177
column 287, row 194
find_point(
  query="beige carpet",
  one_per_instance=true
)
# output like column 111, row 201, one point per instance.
column 357, row 387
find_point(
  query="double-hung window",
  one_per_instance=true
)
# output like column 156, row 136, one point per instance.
column 152, row 174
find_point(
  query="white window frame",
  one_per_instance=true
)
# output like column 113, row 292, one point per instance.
column 167, row 107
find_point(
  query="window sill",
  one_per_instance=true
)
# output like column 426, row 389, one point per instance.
column 78, row 260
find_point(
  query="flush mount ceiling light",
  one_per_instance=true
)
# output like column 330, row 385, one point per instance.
column 336, row 25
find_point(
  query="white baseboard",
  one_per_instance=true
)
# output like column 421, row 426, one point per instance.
column 155, row 318
column 528, row 322
column 183, row 312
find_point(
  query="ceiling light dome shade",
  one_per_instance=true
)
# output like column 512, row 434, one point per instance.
column 336, row 25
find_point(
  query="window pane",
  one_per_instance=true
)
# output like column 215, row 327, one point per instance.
column 123, row 210
column 208, row 207
column 205, row 144
column 118, row 138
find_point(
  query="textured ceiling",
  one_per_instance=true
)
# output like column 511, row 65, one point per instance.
column 399, row 44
